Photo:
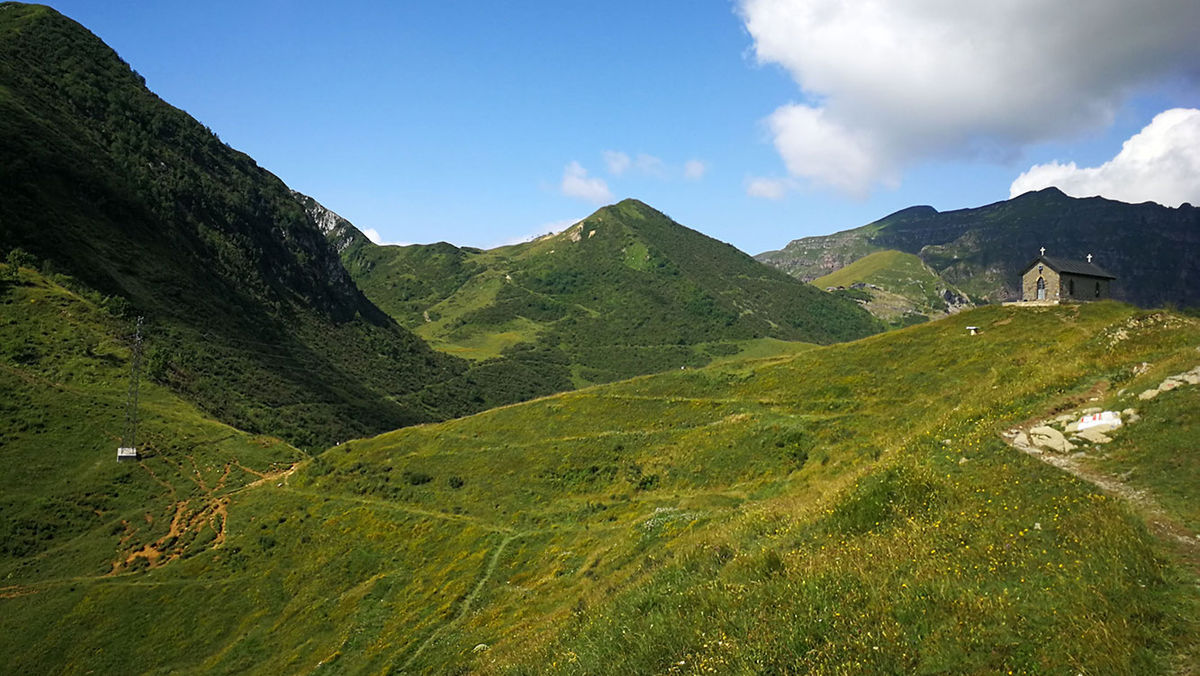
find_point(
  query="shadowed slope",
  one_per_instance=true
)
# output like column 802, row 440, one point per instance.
column 251, row 312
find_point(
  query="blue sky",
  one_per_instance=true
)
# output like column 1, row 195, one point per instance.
column 755, row 122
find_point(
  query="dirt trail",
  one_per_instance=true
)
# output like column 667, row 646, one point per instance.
column 466, row 602
column 1143, row 502
column 398, row 507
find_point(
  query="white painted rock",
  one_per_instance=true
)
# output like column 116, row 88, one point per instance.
column 1105, row 419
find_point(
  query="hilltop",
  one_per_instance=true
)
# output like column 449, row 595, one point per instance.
column 625, row 291
column 849, row 507
column 896, row 287
column 1153, row 250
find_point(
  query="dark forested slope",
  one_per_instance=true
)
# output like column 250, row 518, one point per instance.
column 250, row 312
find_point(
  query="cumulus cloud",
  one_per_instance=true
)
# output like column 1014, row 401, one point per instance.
column 577, row 183
column 817, row 147
column 542, row 230
column 768, row 188
column 617, row 162
column 694, row 170
column 887, row 84
column 373, row 235
column 1161, row 163
column 650, row 165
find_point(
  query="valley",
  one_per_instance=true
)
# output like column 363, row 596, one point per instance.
column 865, row 483
column 621, row 448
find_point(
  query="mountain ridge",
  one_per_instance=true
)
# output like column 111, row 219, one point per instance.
column 622, row 292
column 1154, row 250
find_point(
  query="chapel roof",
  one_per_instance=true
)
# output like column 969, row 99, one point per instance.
column 1061, row 265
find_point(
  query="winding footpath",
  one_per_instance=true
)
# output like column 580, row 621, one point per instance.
column 1161, row 524
column 466, row 602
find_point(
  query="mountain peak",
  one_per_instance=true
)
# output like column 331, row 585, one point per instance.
column 1050, row 193
column 626, row 208
column 918, row 211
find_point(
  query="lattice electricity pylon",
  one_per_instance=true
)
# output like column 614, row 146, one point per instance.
column 128, row 449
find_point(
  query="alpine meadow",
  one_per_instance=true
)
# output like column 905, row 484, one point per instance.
column 623, row 447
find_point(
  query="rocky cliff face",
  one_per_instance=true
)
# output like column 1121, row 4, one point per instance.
column 1153, row 250
column 811, row 257
column 339, row 232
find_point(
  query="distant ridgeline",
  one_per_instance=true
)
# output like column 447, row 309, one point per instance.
column 251, row 313
column 1154, row 251
column 624, row 292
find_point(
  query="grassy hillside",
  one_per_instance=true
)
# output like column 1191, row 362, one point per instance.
column 624, row 292
column 69, row 513
column 1161, row 457
column 898, row 287
column 1151, row 249
column 842, row 509
column 254, row 317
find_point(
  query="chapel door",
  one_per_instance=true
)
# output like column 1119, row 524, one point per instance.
column 1041, row 289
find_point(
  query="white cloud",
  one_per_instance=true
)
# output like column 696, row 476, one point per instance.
column 576, row 183
column 650, row 165
column 617, row 162
column 1161, row 163
column 542, row 230
column 888, row 84
column 645, row 164
column 768, row 188
column 373, row 235
column 815, row 147
column 694, row 170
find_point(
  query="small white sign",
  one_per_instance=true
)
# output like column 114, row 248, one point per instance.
column 1106, row 418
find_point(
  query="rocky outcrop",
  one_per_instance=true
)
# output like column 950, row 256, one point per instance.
column 1089, row 426
column 1050, row 439
column 339, row 232
column 1187, row 378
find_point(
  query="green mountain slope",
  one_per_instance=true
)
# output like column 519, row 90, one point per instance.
column 896, row 287
column 626, row 291
column 848, row 508
column 68, row 510
column 250, row 312
column 1153, row 250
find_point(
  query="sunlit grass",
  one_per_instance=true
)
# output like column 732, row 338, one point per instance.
column 844, row 509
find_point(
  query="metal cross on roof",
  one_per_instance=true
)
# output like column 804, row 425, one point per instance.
column 1089, row 258
column 1043, row 251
